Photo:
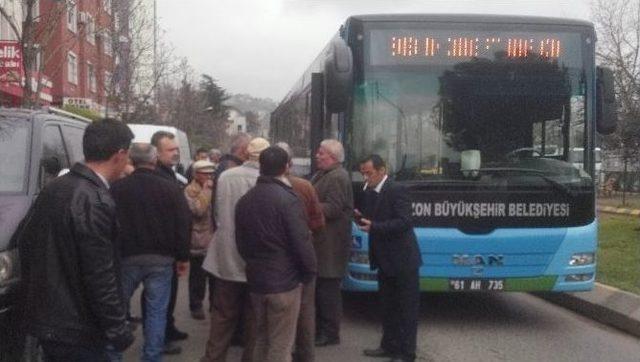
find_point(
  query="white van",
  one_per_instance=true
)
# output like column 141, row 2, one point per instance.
column 143, row 133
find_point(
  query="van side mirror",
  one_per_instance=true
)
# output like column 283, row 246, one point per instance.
column 338, row 75
column 606, row 113
column 51, row 165
column 50, row 168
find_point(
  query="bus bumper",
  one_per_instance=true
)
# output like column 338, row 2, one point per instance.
column 558, row 276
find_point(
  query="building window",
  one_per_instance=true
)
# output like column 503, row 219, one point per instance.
column 72, row 17
column 91, row 30
column 107, row 82
column 72, row 68
column 91, row 77
column 6, row 32
column 107, row 6
column 106, row 44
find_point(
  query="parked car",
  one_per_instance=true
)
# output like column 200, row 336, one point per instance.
column 35, row 147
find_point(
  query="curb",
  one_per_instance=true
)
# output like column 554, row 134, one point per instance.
column 620, row 211
column 604, row 304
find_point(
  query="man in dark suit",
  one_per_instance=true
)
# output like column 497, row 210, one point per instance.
column 393, row 250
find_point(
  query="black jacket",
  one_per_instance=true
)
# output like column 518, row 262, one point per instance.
column 273, row 238
column 69, row 264
column 153, row 214
column 392, row 243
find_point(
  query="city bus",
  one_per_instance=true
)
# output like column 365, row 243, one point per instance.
column 477, row 116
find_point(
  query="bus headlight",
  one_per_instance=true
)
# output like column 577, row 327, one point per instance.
column 582, row 259
column 359, row 257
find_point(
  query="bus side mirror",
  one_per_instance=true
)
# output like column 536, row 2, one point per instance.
column 338, row 75
column 606, row 114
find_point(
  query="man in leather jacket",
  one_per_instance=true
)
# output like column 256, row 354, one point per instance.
column 73, row 299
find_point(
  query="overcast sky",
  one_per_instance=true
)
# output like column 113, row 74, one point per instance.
column 261, row 47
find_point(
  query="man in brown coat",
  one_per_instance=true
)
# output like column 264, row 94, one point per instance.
column 304, row 346
column 332, row 243
column 198, row 195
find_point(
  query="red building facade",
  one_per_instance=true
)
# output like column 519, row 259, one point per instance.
column 79, row 56
column 75, row 55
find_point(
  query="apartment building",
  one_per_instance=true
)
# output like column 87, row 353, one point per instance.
column 75, row 51
column 12, row 74
column 80, row 56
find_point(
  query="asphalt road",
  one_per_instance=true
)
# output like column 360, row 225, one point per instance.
column 453, row 327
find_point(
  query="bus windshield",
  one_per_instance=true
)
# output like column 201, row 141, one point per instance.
column 14, row 146
column 437, row 103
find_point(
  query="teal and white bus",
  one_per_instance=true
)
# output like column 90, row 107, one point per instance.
column 478, row 116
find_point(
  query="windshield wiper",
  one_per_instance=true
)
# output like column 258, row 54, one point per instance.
column 559, row 186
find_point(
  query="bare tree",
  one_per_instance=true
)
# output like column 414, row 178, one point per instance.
column 617, row 24
column 144, row 58
column 34, row 32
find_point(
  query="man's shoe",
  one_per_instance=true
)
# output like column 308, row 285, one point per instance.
column 171, row 348
column 174, row 334
column 377, row 352
column 198, row 314
column 322, row 341
column 403, row 358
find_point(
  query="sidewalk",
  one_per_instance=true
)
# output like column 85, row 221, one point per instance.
column 618, row 210
column 604, row 304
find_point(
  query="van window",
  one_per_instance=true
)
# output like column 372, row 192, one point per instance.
column 54, row 154
column 14, row 148
column 73, row 141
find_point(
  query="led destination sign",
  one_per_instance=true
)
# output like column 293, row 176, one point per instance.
column 456, row 47
column 419, row 47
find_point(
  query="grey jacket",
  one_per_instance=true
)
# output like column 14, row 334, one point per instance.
column 333, row 243
column 223, row 259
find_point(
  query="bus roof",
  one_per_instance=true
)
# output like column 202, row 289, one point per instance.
column 476, row 18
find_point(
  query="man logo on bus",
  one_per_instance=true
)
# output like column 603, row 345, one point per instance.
column 478, row 260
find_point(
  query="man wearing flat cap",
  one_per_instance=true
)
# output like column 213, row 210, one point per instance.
column 225, row 263
column 198, row 194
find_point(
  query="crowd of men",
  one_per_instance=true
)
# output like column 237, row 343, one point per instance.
column 272, row 248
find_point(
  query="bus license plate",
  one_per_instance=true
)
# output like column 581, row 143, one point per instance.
column 476, row 284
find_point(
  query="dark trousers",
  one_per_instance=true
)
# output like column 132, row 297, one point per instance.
column 58, row 352
column 328, row 307
column 198, row 281
column 172, row 302
column 400, row 298
column 306, row 330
